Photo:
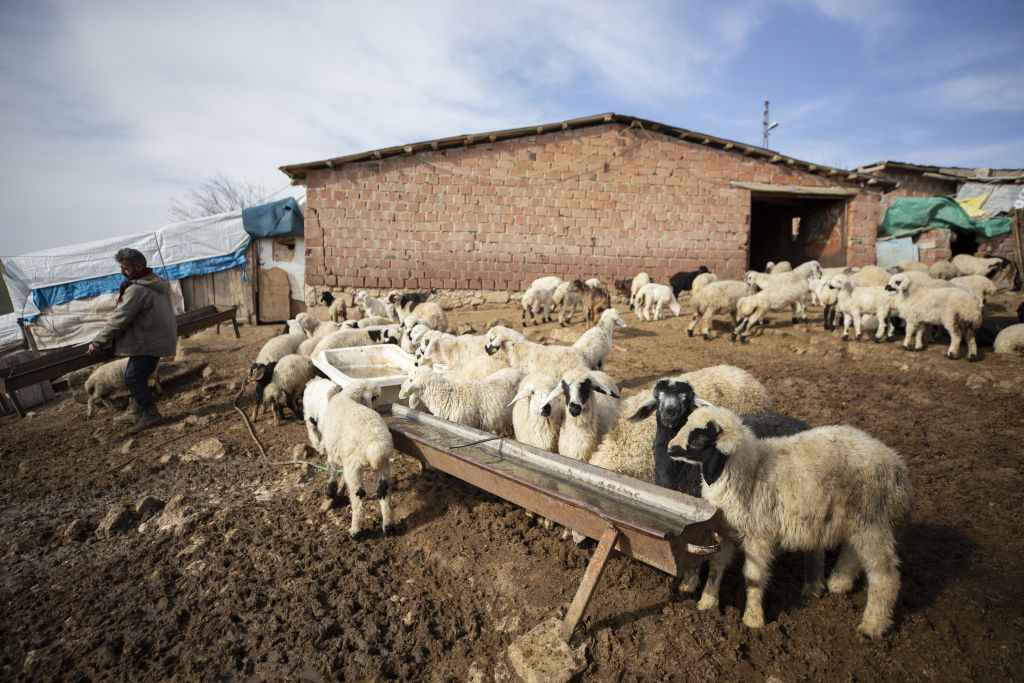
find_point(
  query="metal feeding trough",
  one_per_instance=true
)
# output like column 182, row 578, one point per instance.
column 659, row 527
column 386, row 364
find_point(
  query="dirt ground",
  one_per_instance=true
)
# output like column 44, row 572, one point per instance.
column 185, row 554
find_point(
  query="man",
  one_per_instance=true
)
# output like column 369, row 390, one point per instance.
column 143, row 328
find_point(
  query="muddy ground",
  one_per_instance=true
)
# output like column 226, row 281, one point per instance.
column 185, row 554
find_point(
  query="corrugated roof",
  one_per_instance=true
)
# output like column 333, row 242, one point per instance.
column 951, row 173
column 297, row 172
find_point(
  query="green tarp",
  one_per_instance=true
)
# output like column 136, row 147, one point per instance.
column 909, row 214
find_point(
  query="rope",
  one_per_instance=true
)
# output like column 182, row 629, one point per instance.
column 303, row 462
column 248, row 425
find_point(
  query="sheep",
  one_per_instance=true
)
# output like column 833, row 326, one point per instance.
column 871, row 276
column 537, row 300
column 780, row 267
column 108, row 380
column 751, row 309
column 591, row 409
column 956, row 310
column 454, row 351
column 674, row 400
column 909, row 265
column 639, row 281
column 596, row 343
column 315, row 328
column 315, row 396
column 807, row 271
column 810, row 491
column 720, row 296
column 981, row 286
column 701, row 281
column 346, row 338
column 530, row 357
column 856, row 303
column 1010, row 340
column 356, row 438
column 567, row 299
column 278, row 347
column 429, row 312
column 593, row 283
column 293, row 326
column 482, row 404
column 683, row 280
column 621, row 287
column 944, row 270
column 336, row 308
column 828, row 297
column 478, row 367
column 980, row 265
column 372, row 321
column 287, row 382
column 537, row 421
column 595, row 302
column 371, row 306
column 650, row 300
column 548, row 282
column 409, row 300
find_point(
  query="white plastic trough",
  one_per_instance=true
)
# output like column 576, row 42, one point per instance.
column 386, row 364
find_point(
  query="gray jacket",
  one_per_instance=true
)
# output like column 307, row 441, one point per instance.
column 143, row 324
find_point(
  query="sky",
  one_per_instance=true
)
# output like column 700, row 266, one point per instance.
column 110, row 109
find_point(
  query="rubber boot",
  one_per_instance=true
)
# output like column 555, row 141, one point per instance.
column 151, row 417
column 131, row 415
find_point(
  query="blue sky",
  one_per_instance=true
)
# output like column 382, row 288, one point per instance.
column 108, row 110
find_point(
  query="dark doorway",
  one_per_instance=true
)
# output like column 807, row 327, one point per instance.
column 797, row 228
column 963, row 242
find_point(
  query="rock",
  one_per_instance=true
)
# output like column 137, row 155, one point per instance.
column 326, row 505
column 127, row 447
column 207, row 449
column 147, row 507
column 78, row 530
column 302, row 451
column 541, row 656
column 208, row 372
column 119, row 518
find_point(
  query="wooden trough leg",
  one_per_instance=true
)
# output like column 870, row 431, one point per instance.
column 590, row 578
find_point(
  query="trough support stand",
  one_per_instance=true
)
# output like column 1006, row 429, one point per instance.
column 590, row 578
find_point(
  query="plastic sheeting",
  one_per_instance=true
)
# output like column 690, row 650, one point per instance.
column 275, row 219
column 909, row 214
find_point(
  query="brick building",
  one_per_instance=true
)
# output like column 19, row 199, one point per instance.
column 605, row 196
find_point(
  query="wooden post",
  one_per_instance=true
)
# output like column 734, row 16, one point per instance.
column 589, row 583
column 1016, row 229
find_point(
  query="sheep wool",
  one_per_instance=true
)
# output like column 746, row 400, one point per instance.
column 482, row 404
column 108, row 380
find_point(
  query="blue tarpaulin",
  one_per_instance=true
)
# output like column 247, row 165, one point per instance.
column 275, row 219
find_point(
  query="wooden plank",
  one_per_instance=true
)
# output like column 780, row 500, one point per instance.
column 1017, row 233
column 275, row 293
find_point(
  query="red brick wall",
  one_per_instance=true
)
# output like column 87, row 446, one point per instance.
column 932, row 245
column 602, row 201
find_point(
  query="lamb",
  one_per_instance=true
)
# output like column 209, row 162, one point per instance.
column 537, row 421
column 346, row 338
column 595, row 302
column 356, row 438
column 751, row 309
column 592, row 408
column 548, row 282
column 371, row 306
column 639, row 281
column 315, row 328
column 957, row 310
column 1010, row 340
column 530, row 357
column 979, row 284
column 593, row 283
column 538, row 300
column 478, row 367
column 856, row 303
column 909, row 265
column 278, row 347
column 336, row 308
column 806, row 272
column 980, row 265
column 621, row 287
column 780, row 267
column 720, row 296
column 429, row 312
column 452, row 350
column 315, row 397
column 567, row 299
column 652, row 298
column 944, row 270
column 871, row 276
column 372, row 321
column 782, row 493
column 409, row 300
column 287, row 382
column 293, row 326
column 683, row 280
column 596, row 343
column 701, row 281
column 482, row 404
column 108, row 380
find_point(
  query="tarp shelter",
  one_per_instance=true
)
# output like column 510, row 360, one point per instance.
column 912, row 214
column 66, row 294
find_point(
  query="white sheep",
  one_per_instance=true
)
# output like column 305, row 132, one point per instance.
column 454, row 351
column 596, row 343
column 356, row 438
column 639, row 281
column 530, row 357
column 944, row 270
column 477, row 367
column 702, row 281
column 538, row 301
column 278, row 347
column 336, row 308
column 315, row 328
column 591, row 409
column 315, row 397
column 780, row 267
column 871, row 276
column 371, row 306
column 1010, row 340
column 372, row 321
column 909, row 264
column 593, row 283
column 108, row 380
column 566, row 299
column 289, row 379
column 979, row 284
column 390, row 334
column 752, row 308
column 715, row 297
column 538, row 420
column 856, row 303
column 979, row 265
column 810, row 491
column 482, row 404
column 652, row 298
column 957, row 310
column 429, row 312
column 807, row 271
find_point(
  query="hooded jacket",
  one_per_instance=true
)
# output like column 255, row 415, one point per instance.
column 143, row 324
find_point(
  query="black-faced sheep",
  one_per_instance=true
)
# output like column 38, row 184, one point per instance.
column 336, row 308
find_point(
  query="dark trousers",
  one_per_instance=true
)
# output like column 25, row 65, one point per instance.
column 135, row 378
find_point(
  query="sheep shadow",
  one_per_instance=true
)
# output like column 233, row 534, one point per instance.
column 632, row 332
column 435, row 491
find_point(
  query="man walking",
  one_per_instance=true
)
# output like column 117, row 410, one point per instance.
column 143, row 328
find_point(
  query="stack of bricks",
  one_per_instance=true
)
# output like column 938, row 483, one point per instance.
column 603, row 201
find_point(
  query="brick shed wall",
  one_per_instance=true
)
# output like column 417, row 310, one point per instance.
column 933, row 245
column 604, row 201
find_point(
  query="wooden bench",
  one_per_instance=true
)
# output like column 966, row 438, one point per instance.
column 659, row 527
column 73, row 358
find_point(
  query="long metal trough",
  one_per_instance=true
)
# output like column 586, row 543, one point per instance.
column 659, row 527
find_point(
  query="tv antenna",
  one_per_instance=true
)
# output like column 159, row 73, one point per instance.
column 767, row 126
